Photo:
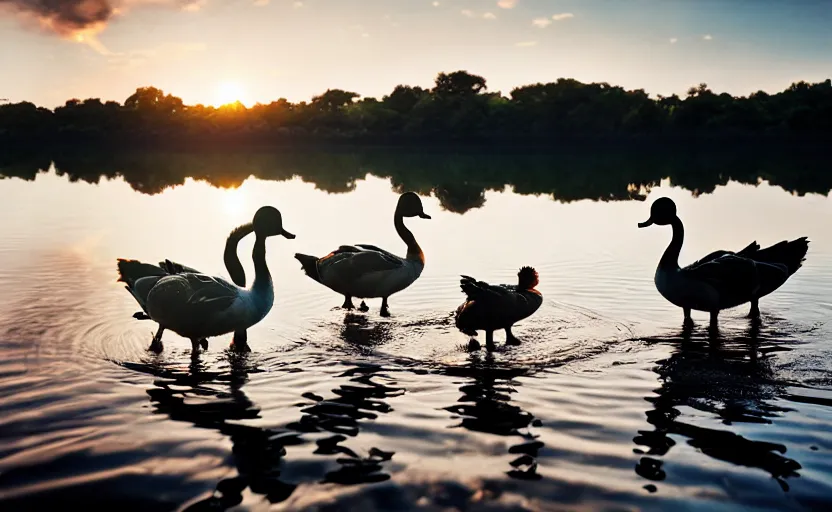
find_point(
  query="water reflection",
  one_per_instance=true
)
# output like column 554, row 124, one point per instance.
column 730, row 378
column 216, row 400
column 459, row 181
column 484, row 407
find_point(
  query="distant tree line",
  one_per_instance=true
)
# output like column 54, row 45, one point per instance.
column 458, row 108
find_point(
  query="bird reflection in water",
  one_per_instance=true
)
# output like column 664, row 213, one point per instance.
column 362, row 399
column 484, row 407
column 215, row 399
column 732, row 380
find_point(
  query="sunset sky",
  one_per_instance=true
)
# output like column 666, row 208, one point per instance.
column 215, row 51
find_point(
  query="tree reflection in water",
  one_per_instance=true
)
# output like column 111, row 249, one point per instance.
column 732, row 380
column 458, row 180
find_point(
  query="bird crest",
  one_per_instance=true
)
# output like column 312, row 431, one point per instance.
column 527, row 278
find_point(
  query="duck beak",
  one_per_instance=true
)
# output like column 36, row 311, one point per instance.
column 288, row 235
column 648, row 222
column 424, row 215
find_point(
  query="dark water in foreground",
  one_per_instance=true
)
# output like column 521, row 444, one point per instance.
column 608, row 404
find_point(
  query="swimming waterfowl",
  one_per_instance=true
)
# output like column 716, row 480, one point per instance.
column 722, row 279
column 491, row 307
column 366, row 271
column 232, row 264
column 198, row 306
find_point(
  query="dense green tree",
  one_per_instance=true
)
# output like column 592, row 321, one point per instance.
column 457, row 109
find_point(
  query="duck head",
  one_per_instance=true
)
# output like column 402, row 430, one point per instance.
column 268, row 222
column 410, row 205
column 527, row 278
column 662, row 213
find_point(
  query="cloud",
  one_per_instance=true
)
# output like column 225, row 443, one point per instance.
column 468, row 13
column 707, row 37
column 297, row 5
column 507, row 4
column 435, row 4
column 261, row 3
column 80, row 20
column 562, row 16
column 489, row 16
column 673, row 40
column 168, row 51
column 526, row 43
column 541, row 22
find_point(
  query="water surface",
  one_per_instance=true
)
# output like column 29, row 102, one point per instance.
column 608, row 403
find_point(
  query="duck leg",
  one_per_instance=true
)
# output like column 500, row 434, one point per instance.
column 156, row 344
column 489, row 340
column 240, row 341
column 363, row 307
column 510, row 338
column 755, row 309
column 347, row 303
column 714, row 320
column 385, row 308
column 688, row 322
column 195, row 344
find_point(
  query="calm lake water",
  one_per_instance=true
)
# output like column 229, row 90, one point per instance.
column 608, row 404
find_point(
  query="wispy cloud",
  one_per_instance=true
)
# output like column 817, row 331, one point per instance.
column 168, row 52
column 707, row 37
column 261, row 3
column 541, row 22
column 489, row 16
column 467, row 13
column 435, row 4
column 673, row 40
column 563, row 16
column 526, row 43
column 195, row 5
column 507, row 4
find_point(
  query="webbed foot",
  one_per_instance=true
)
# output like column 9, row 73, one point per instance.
column 347, row 303
column 363, row 307
column 511, row 339
column 473, row 345
column 156, row 346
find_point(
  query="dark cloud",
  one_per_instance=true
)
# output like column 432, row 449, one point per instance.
column 65, row 17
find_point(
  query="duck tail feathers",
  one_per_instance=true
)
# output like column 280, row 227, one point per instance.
column 791, row 254
column 130, row 272
column 470, row 287
column 309, row 265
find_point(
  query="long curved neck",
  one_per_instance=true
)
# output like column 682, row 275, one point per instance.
column 262, row 277
column 670, row 258
column 232, row 261
column 413, row 249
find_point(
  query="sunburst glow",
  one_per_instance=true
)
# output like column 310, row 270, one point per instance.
column 230, row 92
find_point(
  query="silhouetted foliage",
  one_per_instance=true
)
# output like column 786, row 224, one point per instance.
column 457, row 109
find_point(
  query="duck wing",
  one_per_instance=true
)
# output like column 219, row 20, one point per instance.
column 172, row 267
column 501, row 295
column 349, row 265
column 368, row 247
column 190, row 295
column 733, row 276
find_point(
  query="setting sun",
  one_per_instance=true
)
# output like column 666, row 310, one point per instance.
column 230, row 92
